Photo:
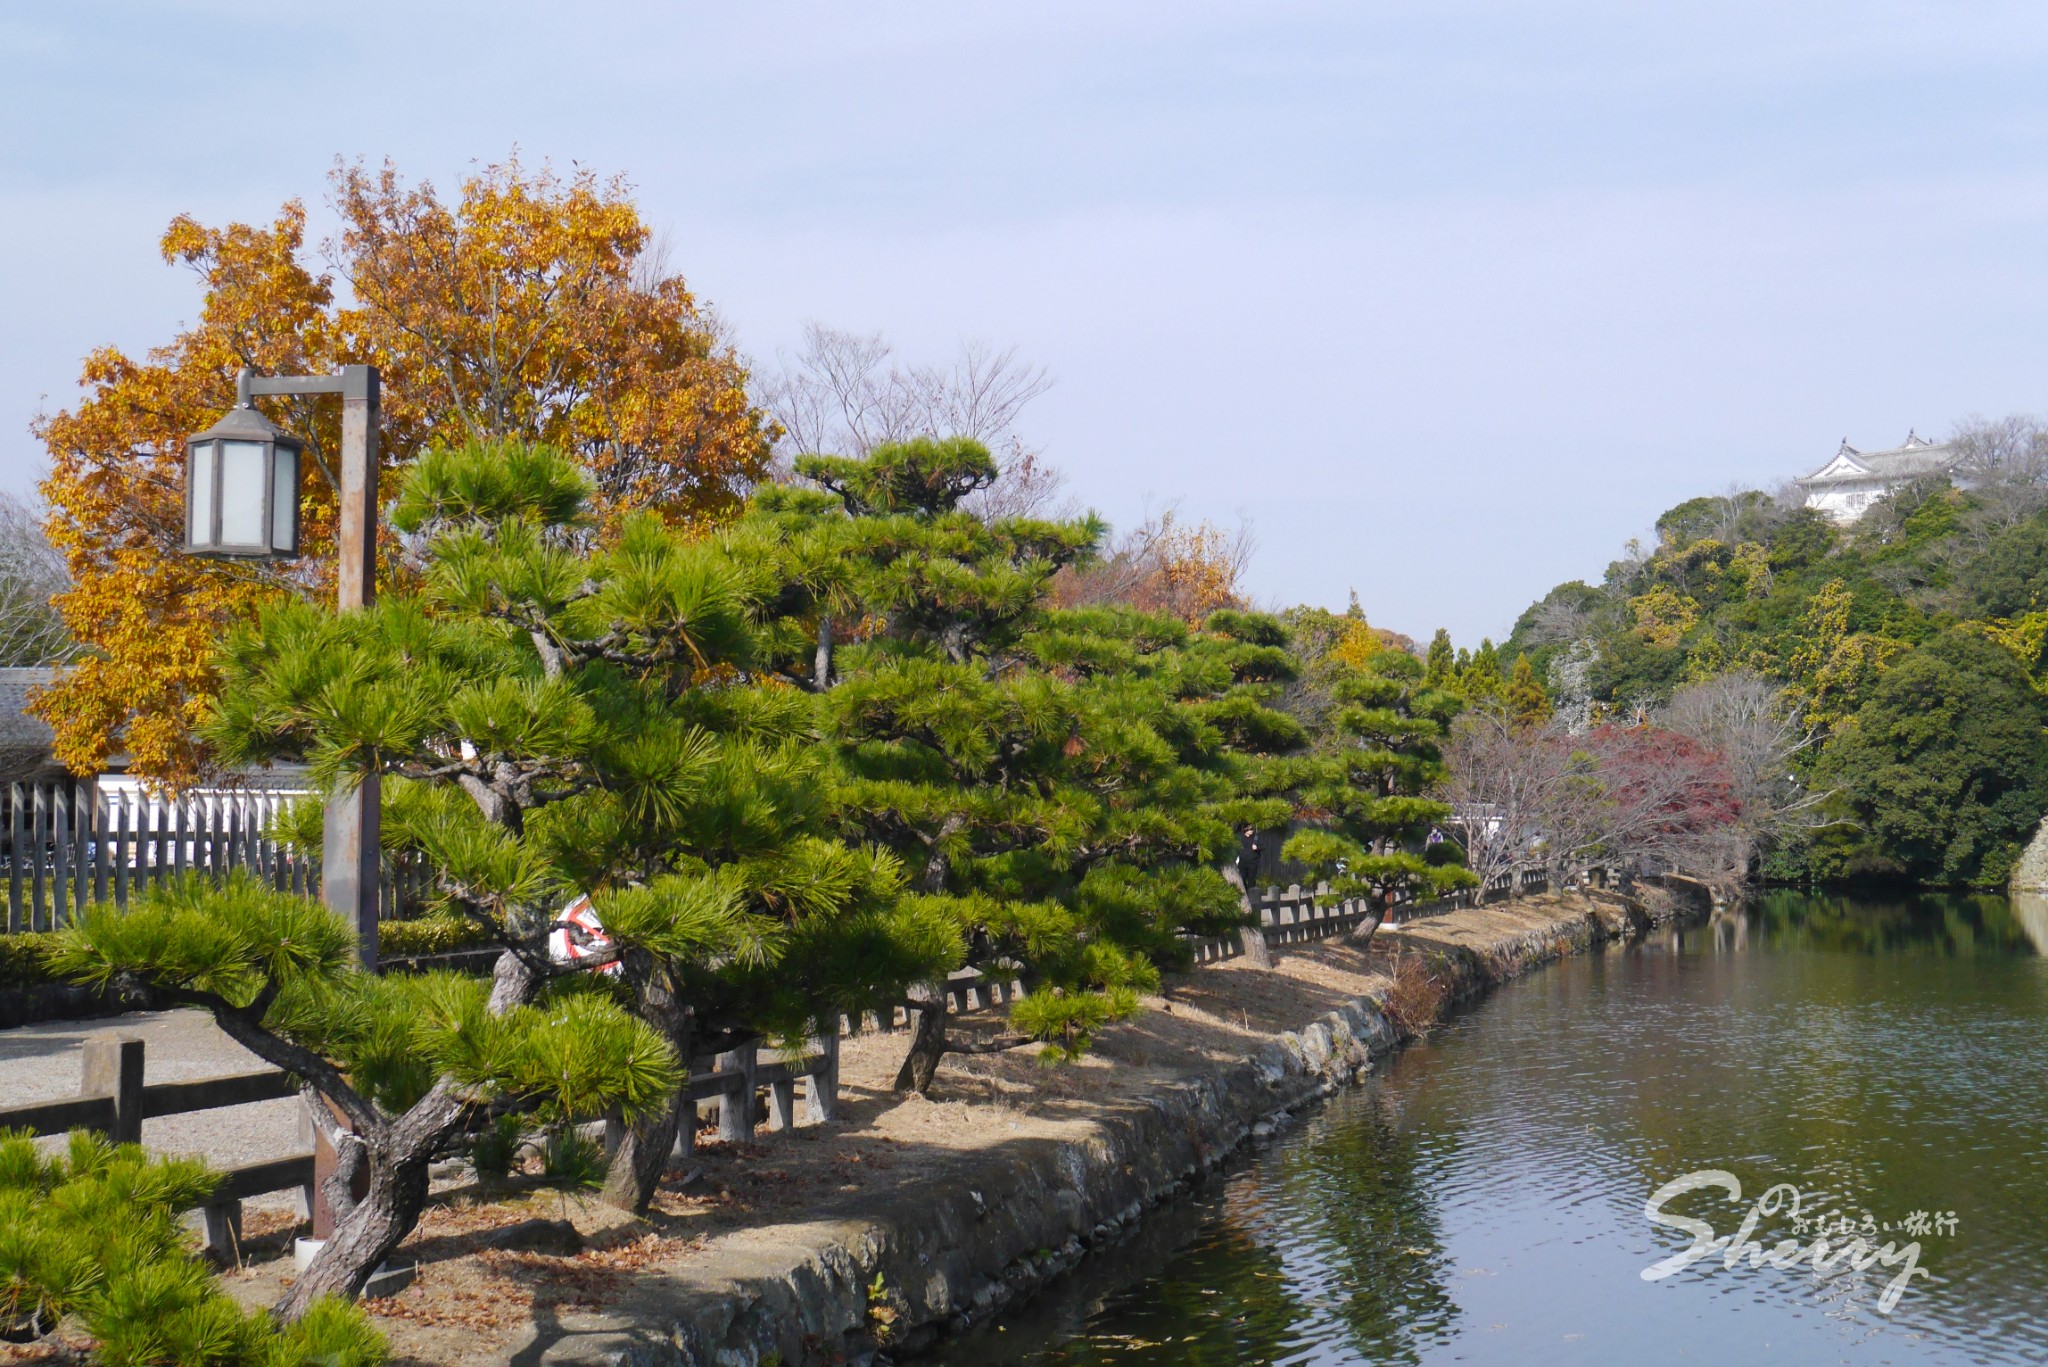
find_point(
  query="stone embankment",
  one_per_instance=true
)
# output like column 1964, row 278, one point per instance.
column 994, row 1224
column 2030, row 872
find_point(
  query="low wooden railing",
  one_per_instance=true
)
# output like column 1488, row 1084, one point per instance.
column 114, row 1099
column 1291, row 915
column 736, row 1080
column 1287, row 916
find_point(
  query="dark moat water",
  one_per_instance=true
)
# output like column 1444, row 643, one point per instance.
column 1483, row 1201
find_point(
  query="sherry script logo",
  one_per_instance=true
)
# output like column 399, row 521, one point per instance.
column 1839, row 1245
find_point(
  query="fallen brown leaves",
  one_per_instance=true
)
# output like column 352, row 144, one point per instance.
column 502, row 1288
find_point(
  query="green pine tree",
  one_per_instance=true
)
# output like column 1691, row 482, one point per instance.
column 1375, row 764
column 1524, row 696
column 554, row 717
column 1441, row 666
column 1057, row 785
column 1481, row 679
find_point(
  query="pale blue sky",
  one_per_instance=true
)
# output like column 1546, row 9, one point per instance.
column 1449, row 298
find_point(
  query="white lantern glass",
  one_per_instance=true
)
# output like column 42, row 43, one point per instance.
column 242, row 472
column 284, row 499
column 199, row 500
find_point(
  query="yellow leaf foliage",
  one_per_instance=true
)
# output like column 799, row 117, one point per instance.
column 529, row 308
column 1357, row 645
column 1832, row 668
column 2026, row 638
column 1663, row 615
column 1751, row 566
column 1199, row 569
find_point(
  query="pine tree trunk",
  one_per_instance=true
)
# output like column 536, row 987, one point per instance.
column 398, row 1160
column 643, row 1157
column 821, row 663
column 1363, row 934
column 643, row 1153
column 398, row 1163
column 927, row 1042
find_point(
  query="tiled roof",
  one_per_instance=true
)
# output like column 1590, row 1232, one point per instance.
column 17, row 727
column 1912, row 458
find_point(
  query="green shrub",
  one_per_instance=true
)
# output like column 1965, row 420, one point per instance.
column 21, row 960
column 493, row 1152
column 440, row 933
column 1445, row 853
column 94, row 1234
column 570, row 1161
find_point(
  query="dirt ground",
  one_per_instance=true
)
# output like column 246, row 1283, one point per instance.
column 475, row 1300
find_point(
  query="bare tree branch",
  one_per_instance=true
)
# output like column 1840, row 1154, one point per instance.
column 843, row 393
column 31, row 574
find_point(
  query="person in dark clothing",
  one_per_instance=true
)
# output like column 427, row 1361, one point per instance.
column 1248, row 852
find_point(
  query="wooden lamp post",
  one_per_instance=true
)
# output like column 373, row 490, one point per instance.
column 242, row 502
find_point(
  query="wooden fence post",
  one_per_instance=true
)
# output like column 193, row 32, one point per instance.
column 736, row 1108
column 323, row 1167
column 821, row 1089
column 147, row 843
column 113, row 1068
column 782, row 1104
column 117, row 821
column 220, row 1226
column 15, row 841
column 60, row 856
column 84, row 797
column 102, row 861
column 37, row 838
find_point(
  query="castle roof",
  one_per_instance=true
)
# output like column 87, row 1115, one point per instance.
column 1910, row 459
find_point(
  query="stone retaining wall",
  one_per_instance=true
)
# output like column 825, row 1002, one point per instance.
column 2030, row 872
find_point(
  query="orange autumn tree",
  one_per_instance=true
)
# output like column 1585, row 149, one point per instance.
column 530, row 308
column 1163, row 565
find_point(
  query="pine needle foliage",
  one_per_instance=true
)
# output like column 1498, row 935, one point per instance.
column 283, row 969
column 1362, row 793
column 556, row 714
column 1056, row 785
column 93, row 1233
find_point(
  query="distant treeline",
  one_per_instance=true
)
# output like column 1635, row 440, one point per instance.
column 1908, row 647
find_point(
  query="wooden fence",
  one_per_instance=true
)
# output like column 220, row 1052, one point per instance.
column 67, row 844
column 114, row 1099
column 736, row 1079
column 1290, row 915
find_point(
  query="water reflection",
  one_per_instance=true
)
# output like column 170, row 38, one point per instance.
column 1956, row 924
column 1483, row 1202
column 2030, row 912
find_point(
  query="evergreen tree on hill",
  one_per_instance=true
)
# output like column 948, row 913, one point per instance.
column 1945, row 769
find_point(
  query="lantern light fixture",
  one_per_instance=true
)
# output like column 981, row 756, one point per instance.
column 242, row 489
column 242, row 479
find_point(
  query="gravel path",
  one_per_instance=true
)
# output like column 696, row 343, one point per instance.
column 44, row 1062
